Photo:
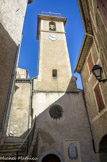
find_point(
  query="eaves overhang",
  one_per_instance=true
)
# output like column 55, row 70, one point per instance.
column 87, row 41
column 50, row 18
column 88, row 37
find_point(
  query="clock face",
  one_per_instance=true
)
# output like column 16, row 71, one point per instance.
column 52, row 37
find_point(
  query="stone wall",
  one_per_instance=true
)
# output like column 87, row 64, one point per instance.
column 20, row 114
column 20, row 110
column 11, row 23
column 97, row 119
column 12, row 15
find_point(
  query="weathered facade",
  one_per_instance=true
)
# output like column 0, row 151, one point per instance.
column 94, row 52
column 20, row 105
column 61, row 118
column 12, row 15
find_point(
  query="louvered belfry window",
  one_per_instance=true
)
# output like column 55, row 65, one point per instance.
column 90, row 62
column 99, row 97
column 102, row 5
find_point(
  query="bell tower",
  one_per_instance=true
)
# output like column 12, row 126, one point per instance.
column 54, row 71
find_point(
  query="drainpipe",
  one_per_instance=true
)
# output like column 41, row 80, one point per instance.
column 11, row 110
column 30, row 103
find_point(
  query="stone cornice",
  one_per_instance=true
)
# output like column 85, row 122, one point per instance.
column 30, row 1
column 86, row 20
column 23, row 80
column 43, row 91
column 52, row 31
column 85, row 15
column 87, row 41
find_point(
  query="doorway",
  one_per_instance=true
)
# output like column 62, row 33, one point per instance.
column 51, row 158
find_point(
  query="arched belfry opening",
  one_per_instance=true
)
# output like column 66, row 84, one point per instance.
column 103, row 149
column 52, row 26
column 51, row 158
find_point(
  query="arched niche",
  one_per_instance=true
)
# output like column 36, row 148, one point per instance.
column 50, row 156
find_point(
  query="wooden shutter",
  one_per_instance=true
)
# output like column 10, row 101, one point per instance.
column 102, row 5
column 90, row 62
column 99, row 97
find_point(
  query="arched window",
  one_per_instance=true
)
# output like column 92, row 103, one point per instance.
column 52, row 26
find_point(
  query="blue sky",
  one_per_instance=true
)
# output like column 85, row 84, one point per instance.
column 74, row 33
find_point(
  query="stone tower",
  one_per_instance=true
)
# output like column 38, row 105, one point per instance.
column 54, row 100
column 54, row 64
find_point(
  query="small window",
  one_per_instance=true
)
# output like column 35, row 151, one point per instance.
column 99, row 97
column 90, row 63
column 52, row 26
column 54, row 73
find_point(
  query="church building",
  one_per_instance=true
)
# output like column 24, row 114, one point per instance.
column 53, row 101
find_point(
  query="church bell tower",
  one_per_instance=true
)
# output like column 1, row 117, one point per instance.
column 54, row 72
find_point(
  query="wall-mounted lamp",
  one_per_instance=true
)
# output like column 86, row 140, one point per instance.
column 97, row 70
